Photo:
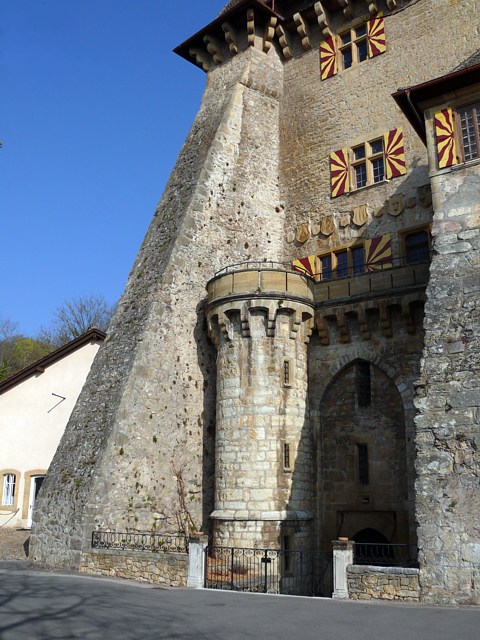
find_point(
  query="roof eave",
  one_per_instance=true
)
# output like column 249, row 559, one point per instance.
column 183, row 49
column 410, row 99
column 51, row 358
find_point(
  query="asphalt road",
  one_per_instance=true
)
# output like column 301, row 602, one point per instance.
column 38, row 605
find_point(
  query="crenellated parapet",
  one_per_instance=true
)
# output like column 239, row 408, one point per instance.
column 289, row 27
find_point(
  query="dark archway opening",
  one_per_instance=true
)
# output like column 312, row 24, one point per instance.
column 372, row 547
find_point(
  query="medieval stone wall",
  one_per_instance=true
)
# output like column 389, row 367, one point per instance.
column 319, row 117
column 448, row 425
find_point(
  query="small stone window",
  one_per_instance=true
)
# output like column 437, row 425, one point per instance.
column 469, row 121
column 287, row 372
column 342, row 263
column 417, row 247
column 286, row 456
column 368, row 164
column 353, row 46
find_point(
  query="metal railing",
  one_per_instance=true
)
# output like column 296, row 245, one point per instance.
column 385, row 555
column 258, row 265
column 293, row 572
column 358, row 270
column 138, row 541
column 338, row 273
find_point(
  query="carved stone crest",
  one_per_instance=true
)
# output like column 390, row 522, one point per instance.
column 411, row 202
column 424, row 195
column 396, row 205
column 360, row 214
column 345, row 220
column 327, row 226
column 315, row 228
column 303, row 232
column 290, row 236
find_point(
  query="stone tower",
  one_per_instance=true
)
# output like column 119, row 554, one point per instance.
column 262, row 427
column 258, row 378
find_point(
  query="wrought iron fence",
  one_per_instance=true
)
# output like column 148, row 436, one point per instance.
column 138, row 541
column 292, row 572
column 385, row 555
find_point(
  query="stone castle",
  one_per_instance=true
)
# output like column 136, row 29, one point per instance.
column 296, row 354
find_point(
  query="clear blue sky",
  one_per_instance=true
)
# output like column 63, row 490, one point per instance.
column 94, row 110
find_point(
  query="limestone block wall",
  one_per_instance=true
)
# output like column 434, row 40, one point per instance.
column 137, row 452
column 448, row 396
column 383, row 583
column 170, row 570
column 318, row 117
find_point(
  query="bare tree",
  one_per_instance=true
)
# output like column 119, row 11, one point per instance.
column 76, row 316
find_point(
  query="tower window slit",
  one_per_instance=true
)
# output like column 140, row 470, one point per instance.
column 362, row 463
column 286, row 456
column 364, row 384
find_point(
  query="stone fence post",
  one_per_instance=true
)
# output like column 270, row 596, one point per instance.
column 342, row 558
column 196, row 560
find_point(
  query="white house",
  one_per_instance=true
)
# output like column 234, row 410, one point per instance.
column 35, row 405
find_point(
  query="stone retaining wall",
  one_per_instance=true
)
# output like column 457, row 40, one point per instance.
column 167, row 569
column 383, row 583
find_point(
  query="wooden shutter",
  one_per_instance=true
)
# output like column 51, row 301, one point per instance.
column 395, row 164
column 445, row 137
column 376, row 36
column 378, row 253
column 328, row 58
column 339, row 181
column 306, row 265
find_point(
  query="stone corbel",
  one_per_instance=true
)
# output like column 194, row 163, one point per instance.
column 322, row 330
column 284, row 42
column 202, row 58
column 322, row 19
column 251, row 27
column 362, row 321
column 230, row 38
column 225, row 327
column 342, row 326
column 269, row 33
column 302, row 30
column 372, row 7
column 392, row 4
column 385, row 321
column 244, row 321
column 213, row 48
column 346, row 8
column 408, row 317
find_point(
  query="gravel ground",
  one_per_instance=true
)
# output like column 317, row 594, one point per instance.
column 13, row 543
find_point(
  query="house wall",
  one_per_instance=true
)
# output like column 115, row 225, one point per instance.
column 32, row 422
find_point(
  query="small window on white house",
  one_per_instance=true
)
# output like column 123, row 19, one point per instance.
column 8, row 496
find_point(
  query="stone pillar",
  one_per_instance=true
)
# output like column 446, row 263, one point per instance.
column 263, row 451
column 196, row 560
column 342, row 558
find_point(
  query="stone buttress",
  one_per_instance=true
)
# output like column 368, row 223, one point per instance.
column 137, row 453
